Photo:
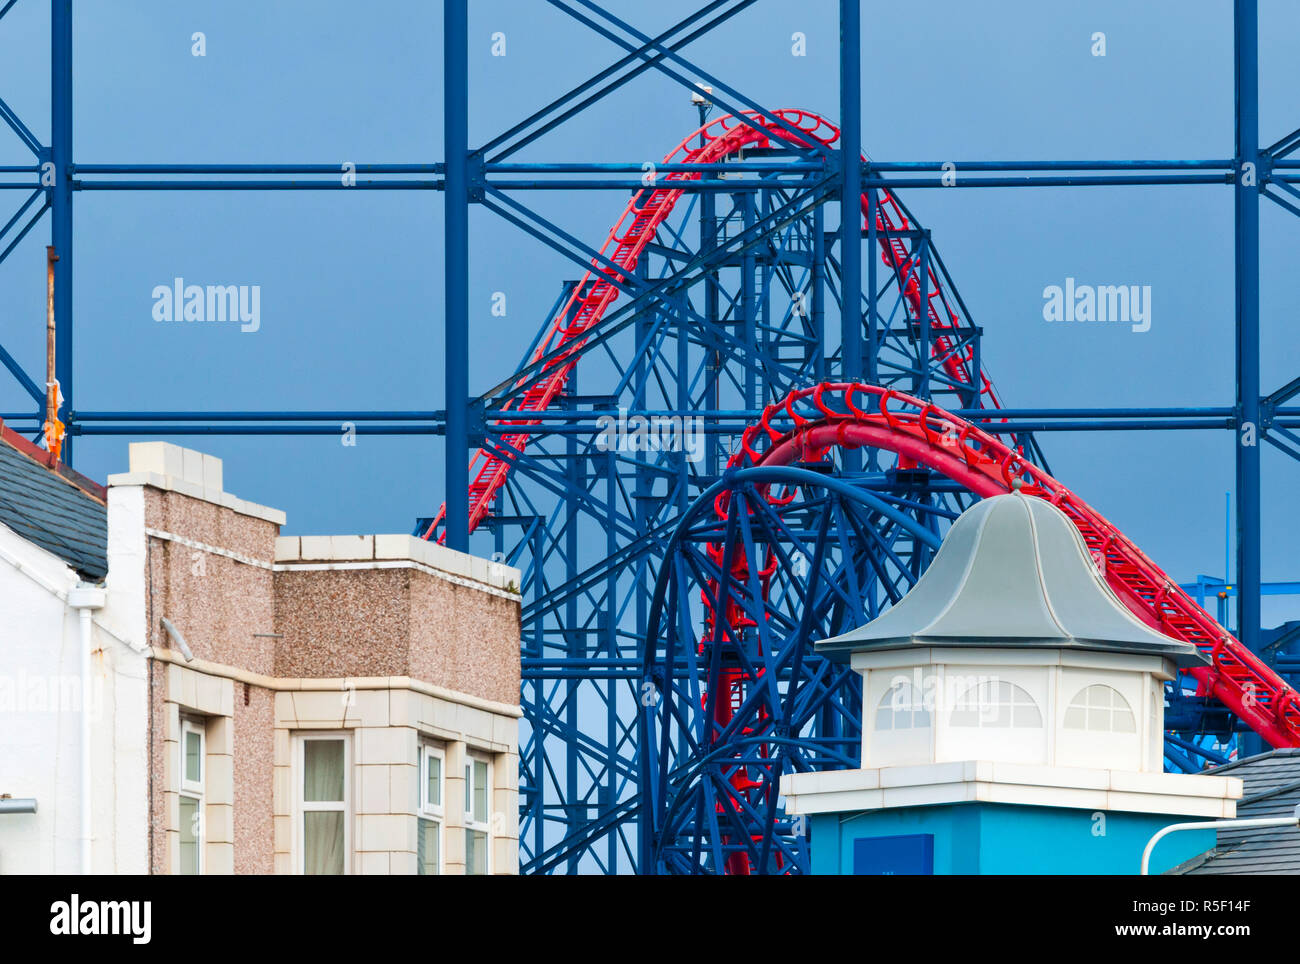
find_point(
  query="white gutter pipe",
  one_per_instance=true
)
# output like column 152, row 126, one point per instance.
column 85, row 599
column 1253, row 823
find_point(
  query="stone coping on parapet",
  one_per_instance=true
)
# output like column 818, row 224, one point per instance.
column 216, row 496
column 374, row 551
column 173, row 468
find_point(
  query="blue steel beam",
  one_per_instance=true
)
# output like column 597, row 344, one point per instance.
column 60, row 202
column 1285, row 185
column 677, row 167
column 709, row 230
column 18, row 127
column 1284, row 146
column 1225, row 165
column 286, row 416
column 23, row 378
column 639, row 54
column 455, row 44
column 850, row 158
column 1081, row 180
column 520, row 215
column 1283, row 440
column 781, row 129
column 31, row 223
column 316, row 168
column 20, row 212
column 1206, row 585
column 1246, row 221
column 686, row 186
column 872, row 315
column 173, row 428
column 1193, row 749
column 510, row 177
column 321, row 185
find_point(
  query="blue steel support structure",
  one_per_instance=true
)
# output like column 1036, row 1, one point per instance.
column 60, row 198
column 732, row 306
column 1246, row 198
column 456, row 258
column 850, row 192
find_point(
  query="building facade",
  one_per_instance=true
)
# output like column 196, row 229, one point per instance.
column 261, row 703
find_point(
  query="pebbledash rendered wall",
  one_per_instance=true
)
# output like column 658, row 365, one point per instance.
column 387, row 640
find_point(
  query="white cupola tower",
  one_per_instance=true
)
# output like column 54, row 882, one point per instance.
column 1011, row 647
column 1012, row 718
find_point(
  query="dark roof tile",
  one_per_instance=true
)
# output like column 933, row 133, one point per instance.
column 1272, row 789
column 54, row 507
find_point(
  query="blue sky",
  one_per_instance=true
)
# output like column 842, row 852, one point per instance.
column 352, row 282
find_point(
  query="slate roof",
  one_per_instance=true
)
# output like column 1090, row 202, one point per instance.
column 1272, row 789
column 53, row 506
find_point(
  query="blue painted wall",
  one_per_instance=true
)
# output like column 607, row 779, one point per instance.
column 987, row 838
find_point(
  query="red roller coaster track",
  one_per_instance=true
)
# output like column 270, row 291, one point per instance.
column 627, row 241
column 852, row 415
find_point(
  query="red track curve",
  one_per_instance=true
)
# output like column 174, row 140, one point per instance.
column 627, row 241
column 922, row 433
column 828, row 416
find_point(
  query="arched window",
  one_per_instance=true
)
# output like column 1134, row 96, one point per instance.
column 1100, row 709
column 996, row 703
column 901, row 708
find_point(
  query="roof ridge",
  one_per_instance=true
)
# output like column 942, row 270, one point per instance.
column 46, row 460
column 1265, row 794
column 1038, row 569
column 1276, row 751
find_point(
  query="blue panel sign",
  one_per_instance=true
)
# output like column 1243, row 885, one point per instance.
column 905, row 854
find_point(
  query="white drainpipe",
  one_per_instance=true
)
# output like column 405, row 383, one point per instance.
column 85, row 599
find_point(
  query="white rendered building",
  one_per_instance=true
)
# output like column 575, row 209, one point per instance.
column 184, row 690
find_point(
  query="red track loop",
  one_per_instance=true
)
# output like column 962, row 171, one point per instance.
column 826, row 416
column 627, row 241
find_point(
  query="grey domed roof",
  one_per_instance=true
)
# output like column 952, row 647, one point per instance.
column 1013, row 573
